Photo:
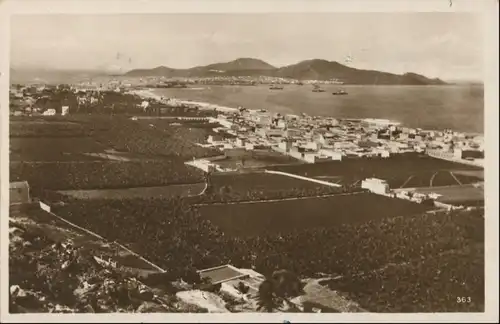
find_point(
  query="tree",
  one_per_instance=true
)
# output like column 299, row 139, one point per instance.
column 276, row 289
column 266, row 298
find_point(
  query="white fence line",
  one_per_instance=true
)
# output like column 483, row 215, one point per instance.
column 326, row 183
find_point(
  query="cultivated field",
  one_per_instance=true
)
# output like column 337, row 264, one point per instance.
column 249, row 219
column 33, row 127
column 251, row 186
column 54, row 149
column 181, row 190
column 104, row 174
column 100, row 152
column 402, row 171
column 257, row 159
column 478, row 174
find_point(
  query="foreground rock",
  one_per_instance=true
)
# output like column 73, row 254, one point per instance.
column 203, row 299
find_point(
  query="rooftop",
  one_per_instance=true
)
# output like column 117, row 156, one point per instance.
column 221, row 273
column 18, row 184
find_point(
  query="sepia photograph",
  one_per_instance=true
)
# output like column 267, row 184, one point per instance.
column 257, row 162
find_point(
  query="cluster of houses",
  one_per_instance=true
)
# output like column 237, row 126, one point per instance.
column 36, row 100
column 318, row 139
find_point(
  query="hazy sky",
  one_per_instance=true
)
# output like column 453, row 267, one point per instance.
column 445, row 45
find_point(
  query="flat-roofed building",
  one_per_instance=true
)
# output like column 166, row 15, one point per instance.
column 375, row 185
column 378, row 123
column 231, row 279
column 19, row 192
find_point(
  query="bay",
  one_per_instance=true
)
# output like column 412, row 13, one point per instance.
column 458, row 107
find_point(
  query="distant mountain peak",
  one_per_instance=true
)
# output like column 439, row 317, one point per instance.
column 242, row 63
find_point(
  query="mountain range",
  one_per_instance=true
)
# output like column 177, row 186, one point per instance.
column 316, row 69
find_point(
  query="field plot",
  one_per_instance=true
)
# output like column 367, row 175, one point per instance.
column 141, row 138
column 45, row 128
column 54, row 149
column 261, row 186
column 181, row 190
column 193, row 131
column 257, row 159
column 408, row 170
column 249, row 219
column 469, row 173
column 463, row 195
column 431, row 284
column 119, row 133
column 104, row 174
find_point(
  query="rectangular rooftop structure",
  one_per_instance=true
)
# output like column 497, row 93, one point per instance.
column 221, row 274
column 19, row 192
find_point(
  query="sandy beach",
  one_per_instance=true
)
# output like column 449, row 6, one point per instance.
column 149, row 94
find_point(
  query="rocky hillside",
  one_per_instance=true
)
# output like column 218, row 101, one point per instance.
column 56, row 268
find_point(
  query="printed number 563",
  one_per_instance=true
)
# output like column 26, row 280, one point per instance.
column 463, row 300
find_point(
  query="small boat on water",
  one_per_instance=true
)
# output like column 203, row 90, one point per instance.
column 276, row 87
column 339, row 92
column 317, row 89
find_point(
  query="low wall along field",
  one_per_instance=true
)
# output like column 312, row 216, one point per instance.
column 250, row 219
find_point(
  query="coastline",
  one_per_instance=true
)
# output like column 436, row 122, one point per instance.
column 149, row 94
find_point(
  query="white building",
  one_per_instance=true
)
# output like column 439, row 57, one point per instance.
column 379, row 123
column 281, row 124
column 375, row 185
column 249, row 146
column 383, row 153
column 49, row 112
column 285, row 146
column 240, row 142
column 334, row 155
column 312, row 146
column 144, row 104
column 64, row 110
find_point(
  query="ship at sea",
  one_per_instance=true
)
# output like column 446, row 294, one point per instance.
column 317, row 89
column 339, row 92
column 275, row 87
